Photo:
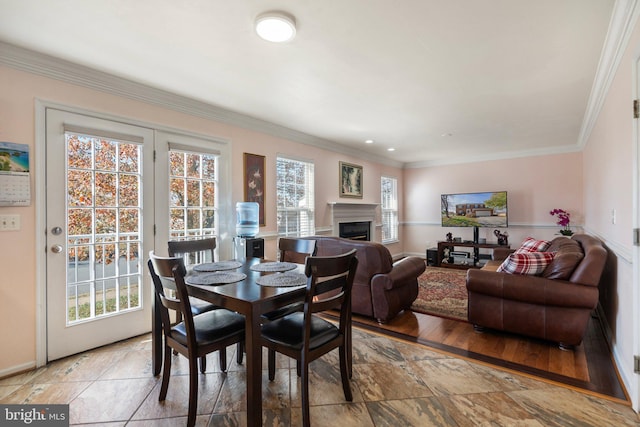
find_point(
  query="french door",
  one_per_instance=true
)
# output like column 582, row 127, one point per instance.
column 99, row 179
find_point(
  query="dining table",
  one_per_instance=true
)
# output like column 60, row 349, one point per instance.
column 255, row 292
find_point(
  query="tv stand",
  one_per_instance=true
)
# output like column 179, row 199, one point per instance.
column 449, row 262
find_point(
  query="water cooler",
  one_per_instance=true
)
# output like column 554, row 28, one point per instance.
column 247, row 245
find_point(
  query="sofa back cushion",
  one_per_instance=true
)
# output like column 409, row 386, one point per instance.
column 568, row 255
column 373, row 258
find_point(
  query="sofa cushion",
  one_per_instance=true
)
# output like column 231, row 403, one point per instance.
column 527, row 263
column 569, row 253
column 532, row 245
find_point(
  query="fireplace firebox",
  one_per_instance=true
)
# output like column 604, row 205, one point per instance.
column 358, row 230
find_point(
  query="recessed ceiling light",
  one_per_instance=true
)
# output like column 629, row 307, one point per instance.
column 277, row 27
column 446, row 134
column 391, row 149
column 369, row 141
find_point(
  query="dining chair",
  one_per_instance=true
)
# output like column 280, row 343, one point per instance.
column 296, row 251
column 304, row 336
column 197, row 251
column 197, row 335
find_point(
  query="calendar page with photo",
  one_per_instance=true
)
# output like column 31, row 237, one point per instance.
column 15, row 189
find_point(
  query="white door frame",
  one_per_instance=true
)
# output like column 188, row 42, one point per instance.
column 225, row 174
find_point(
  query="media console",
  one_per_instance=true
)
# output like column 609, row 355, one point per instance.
column 463, row 262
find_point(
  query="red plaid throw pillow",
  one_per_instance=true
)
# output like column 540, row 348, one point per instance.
column 532, row 245
column 528, row 263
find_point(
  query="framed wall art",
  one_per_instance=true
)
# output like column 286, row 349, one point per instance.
column 350, row 180
column 254, row 166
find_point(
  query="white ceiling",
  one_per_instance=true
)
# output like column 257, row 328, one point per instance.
column 434, row 79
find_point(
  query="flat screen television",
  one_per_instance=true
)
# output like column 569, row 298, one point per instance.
column 487, row 209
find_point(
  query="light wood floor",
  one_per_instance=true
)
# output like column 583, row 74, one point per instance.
column 589, row 367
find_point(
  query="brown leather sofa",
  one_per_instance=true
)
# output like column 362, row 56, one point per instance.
column 381, row 288
column 555, row 306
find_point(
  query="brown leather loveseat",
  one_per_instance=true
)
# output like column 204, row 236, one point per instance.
column 554, row 306
column 381, row 288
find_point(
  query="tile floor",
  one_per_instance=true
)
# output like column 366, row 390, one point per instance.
column 394, row 383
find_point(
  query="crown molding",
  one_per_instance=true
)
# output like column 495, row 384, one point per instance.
column 623, row 20
column 59, row 69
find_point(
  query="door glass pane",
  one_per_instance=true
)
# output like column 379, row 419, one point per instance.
column 103, row 205
column 192, row 202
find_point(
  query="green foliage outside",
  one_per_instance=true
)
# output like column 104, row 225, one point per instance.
column 84, row 310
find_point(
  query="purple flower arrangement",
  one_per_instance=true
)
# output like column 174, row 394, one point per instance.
column 564, row 218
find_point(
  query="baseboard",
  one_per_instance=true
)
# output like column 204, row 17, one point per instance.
column 12, row 370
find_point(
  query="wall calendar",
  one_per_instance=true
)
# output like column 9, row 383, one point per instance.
column 15, row 182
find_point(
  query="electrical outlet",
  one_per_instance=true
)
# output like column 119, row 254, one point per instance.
column 9, row 222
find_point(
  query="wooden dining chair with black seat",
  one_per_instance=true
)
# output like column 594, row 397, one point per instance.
column 197, row 335
column 296, row 251
column 305, row 336
column 198, row 251
column 195, row 252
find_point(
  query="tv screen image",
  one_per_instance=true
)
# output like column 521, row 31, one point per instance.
column 474, row 209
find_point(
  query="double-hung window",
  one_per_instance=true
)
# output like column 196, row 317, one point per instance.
column 389, row 197
column 295, row 200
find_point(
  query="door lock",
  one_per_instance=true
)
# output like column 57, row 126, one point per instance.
column 56, row 249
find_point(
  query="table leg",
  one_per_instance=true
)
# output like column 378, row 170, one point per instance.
column 254, row 369
column 156, row 338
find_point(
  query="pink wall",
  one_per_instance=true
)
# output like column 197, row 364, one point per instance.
column 17, row 124
column 535, row 185
column 610, row 164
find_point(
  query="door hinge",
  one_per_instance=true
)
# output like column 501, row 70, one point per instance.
column 636, row 237
column 636, row 364
column 154, row 229
column 154, row 151
column 636, row 109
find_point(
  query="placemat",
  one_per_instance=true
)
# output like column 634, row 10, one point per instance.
column 217, row 266
column 282, row 279
column 216, row 278
column 274, row 266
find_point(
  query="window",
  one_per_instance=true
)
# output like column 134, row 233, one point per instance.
column 295, row 199
column 192, row 200
column 389, row 196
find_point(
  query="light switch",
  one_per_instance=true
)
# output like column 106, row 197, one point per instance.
column 9, row 222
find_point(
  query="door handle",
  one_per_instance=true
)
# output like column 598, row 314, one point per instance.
column 56, row 249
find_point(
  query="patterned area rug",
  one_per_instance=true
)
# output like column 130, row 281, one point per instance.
column 442, row 292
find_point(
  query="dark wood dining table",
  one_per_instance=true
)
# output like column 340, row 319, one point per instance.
column 251, row 300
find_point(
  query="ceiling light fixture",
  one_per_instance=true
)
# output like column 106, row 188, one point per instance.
column 369, row 141
column 391, row 149
column 277, row 27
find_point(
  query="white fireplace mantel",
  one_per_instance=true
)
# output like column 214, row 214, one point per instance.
column 353, row 212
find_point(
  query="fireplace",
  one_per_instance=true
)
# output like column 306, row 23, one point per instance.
column 358, row 230
column 354, row 220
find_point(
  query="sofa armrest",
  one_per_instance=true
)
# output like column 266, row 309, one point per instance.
column 404, row 271
column 531, row 289
column 500, row 254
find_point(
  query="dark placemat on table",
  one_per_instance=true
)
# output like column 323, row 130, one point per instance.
column 273, row 267
column 282, row 279
column 217, row 278
column 217, row 266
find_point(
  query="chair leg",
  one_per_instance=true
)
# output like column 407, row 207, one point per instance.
column 298, row 369
column 271, row 363
column 304, row 386
column 223, row 359
column 239, row 352
column 203, row 364
column 166, row 373
column 193, row 392
column 344, row 372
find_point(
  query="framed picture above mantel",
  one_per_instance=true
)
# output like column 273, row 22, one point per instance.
column 350, row 180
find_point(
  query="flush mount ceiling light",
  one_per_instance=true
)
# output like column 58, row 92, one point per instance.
column 277, row 27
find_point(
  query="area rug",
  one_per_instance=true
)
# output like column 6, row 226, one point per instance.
column 442, row 292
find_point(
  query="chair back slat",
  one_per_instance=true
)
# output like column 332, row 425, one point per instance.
column 195, row 251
